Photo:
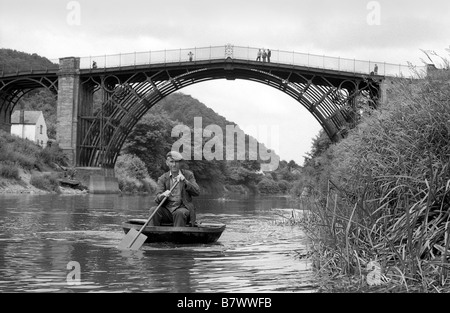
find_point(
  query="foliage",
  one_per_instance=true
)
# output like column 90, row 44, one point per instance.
column 297, row 188
column 207, row 171
column 9, row 170
column 319, row 145
column 132, row 175
column 239, row 175
column 13, row 60
column 52, row 153
column 268, row 186
column 287, row 174
column 284, row 186
column 132, row 166
column 150, row 140
column 46, row 182
column 21, row 151
column 183, row 108
column 318, row 163
column 383, row 192
column 26, row 153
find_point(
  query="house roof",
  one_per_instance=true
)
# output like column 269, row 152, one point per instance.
column 30, row 117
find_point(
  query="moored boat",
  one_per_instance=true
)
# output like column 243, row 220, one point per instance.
column 69, row 182
column 203, row 233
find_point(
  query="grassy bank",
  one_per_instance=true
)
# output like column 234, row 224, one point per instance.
column 24, row 166
column 384, row 196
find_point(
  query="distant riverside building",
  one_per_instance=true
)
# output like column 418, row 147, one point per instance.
column 30, row 125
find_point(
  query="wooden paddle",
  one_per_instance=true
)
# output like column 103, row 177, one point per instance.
column 134, row 239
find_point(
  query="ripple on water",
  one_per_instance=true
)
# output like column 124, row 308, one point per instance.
column 254, row 254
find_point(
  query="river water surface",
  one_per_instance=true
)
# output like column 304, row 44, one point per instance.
column 68, row 243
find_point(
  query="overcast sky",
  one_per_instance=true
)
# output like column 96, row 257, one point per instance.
column 390, row 31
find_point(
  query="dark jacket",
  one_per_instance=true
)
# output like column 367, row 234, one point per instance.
column 189, row 188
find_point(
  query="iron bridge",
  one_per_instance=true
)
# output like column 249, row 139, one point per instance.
column 131, row 84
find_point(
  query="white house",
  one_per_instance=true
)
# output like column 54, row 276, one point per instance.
column 30, row 125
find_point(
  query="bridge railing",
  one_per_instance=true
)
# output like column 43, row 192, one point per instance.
column 250, row 54
column 241, row 53
column 153, row 57
column 330, row 63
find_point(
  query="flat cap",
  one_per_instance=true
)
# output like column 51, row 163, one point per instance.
column 176, row 156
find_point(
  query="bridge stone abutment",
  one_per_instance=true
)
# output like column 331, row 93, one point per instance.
column 74, row 100
column 67, row 106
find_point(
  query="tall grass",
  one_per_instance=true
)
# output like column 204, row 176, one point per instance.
column 387, row 193
column 48, row 182
column 26, row 154
column 9, row 170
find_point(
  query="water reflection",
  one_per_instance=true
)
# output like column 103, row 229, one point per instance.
column 41, row 234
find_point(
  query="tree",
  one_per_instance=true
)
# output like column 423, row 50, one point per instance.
column 150, row 140
column 292, row 165
column 268, row 186
column 132, row 166
column 320, row 144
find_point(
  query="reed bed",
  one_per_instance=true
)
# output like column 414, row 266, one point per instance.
column 386, row 198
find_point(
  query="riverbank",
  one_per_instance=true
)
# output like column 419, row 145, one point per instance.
column 346, row 261
column 23, row 185
column 380, row 201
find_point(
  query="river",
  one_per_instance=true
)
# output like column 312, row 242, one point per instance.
column 68, row 243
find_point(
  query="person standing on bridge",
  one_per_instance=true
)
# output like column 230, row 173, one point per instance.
column 375, row 69
column 264, row 55
column 178, row 207
column 191, row 55
column 258, row 57
column 269, row 54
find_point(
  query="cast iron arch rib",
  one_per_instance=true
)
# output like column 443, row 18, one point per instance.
column 13, row 89
column 132, row 97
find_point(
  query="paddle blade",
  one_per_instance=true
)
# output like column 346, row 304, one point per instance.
column 131, row 242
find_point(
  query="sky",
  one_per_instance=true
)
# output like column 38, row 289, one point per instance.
column 385, row 31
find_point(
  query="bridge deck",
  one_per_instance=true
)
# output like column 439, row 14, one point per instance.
column 207, row 55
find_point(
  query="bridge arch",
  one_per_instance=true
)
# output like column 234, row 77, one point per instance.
column 127, row 97
column 15, row 88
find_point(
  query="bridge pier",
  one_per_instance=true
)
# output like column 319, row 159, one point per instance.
column 67, row 106
column 75, row 101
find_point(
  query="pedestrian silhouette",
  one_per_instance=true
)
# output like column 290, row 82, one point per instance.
column 375, row 69
column 269, row 54
column 258, row 58
column 264, row 55
column 94, row 64
column 191, row 55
